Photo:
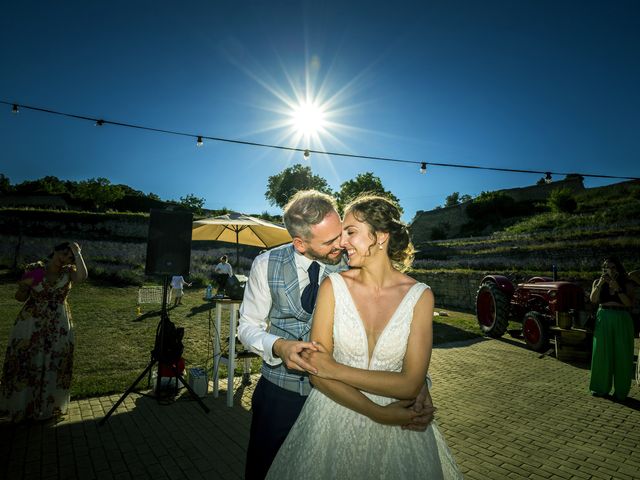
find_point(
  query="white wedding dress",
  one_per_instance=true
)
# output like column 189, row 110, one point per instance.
column 329, row 441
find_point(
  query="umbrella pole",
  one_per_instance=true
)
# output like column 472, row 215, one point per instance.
column 237, row 250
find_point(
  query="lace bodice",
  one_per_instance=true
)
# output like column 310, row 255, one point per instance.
column 350, row 345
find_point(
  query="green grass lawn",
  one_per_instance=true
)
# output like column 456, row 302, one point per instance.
column 113, row 343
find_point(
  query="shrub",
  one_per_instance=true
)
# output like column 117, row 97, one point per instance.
column 492, row 206
column 562, row 200
column 119, row 278
column 438, row 233
column 198, row 280
column 127, row 277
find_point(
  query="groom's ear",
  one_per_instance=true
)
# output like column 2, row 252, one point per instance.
column 298, row 244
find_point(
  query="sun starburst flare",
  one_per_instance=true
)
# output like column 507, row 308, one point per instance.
column 308, row 119
column 311, row 111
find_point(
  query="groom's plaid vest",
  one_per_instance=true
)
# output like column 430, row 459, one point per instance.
column 287, row 317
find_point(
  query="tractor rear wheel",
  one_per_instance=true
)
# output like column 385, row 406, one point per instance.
column 492, row 309
column 534, row 332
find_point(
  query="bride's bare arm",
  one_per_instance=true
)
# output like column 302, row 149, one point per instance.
column 405, row 384
column 347, row 395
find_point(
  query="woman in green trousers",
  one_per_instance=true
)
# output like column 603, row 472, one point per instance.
column 612, row 356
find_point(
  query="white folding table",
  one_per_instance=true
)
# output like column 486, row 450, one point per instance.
column 230, row 359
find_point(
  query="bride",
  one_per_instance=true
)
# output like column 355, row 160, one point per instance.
column 373, row 329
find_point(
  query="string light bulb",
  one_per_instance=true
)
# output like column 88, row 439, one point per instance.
column 15, row 109
column 306, row 154
column 547, row 177
column 423, row 168
column 199, row 142
column 99, row 123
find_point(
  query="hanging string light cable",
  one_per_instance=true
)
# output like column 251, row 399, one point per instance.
column 306, row 151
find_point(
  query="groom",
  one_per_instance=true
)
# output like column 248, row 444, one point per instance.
column 275, row 321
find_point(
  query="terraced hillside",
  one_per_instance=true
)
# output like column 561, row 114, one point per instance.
column 606, row 221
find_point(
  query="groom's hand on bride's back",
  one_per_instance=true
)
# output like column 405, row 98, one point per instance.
column 289, row 352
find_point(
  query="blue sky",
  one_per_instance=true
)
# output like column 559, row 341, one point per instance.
column 540, row 85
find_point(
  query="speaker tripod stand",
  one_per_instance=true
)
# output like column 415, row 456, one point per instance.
column 159, row 356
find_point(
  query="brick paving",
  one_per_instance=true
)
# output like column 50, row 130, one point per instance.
column 506, row 412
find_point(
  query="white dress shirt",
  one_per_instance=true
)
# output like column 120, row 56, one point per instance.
column 223, row 267
column 254, row 311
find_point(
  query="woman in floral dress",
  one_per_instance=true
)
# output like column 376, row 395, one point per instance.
column 36, row 375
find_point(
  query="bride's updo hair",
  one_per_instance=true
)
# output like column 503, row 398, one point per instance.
column 383, row 215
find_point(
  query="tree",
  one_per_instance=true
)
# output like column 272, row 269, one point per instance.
column 192, row 203
column 71, row 187
column 363, row 183
column 99, row 192
column 127, row 190
column 453, row 199
column 269, row 218
column 456, row 199
column 49, row 184
column 5, row 183
column 281, row 187
column 53, row 185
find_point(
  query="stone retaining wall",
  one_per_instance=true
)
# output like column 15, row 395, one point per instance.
column 452, row 290
column 117, row 255
column 457, row 290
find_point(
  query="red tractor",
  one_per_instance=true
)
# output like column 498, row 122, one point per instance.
column 543, row 306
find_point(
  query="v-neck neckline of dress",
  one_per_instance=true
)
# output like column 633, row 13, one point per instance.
column 386, row 326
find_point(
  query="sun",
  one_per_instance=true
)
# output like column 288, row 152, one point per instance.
column 308, row 119
column 308, row 110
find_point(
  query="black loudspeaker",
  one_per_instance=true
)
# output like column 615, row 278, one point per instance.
column 234, row 288
column 169, row 243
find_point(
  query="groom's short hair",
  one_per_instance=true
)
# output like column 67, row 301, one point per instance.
column 305, row 209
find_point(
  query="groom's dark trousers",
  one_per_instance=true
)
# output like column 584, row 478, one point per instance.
column 275, row 410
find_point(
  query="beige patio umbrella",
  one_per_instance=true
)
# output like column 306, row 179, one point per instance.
column 241, row 230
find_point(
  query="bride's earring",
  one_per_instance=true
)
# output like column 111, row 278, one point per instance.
column 380, row 245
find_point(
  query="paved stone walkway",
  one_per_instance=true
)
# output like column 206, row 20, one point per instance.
column 507, row 413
